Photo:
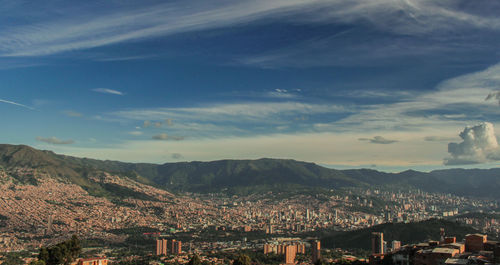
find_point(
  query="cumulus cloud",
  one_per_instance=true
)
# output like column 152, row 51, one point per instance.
column 54, row 140
column 164, row 136
column 378, row 140
column 108, row 91
column 479, row 144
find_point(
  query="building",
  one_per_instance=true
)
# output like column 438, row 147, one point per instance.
column 436, row 256
column 377, row 243
column 93, row 261
column 176, row 247
column 301, row 248
column 450, row 240
column 316, row 251
column 396, row 245
column 161, row 247
column 475, row 242
column 268, row 248
column 290, row 253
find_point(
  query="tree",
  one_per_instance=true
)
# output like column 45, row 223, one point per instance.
column 13, row 259
column 63, row 253
column 43, row 255
column 242, row 260
column 195, row 260
column 37, row 262
column 320, row 262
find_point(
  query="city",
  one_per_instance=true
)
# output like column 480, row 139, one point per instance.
column 249, row 132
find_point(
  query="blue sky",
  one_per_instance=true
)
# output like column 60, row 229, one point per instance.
column 378, row 83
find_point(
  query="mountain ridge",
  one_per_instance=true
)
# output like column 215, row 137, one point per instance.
column 267, row 173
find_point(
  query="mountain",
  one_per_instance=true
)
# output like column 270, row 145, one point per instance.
column 407, row 233
column 250, row 175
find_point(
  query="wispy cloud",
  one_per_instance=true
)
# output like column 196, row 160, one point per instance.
column 378, row 140
column 164, row 136
column 240, row 112
column 108, row 91
column 66, row 31
column 16, row 104
column 54, row 140
column 71, row 113
column 115, row 25
column 135, row 133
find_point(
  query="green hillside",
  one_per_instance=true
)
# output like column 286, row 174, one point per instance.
column 249, row 175
column 407, row 233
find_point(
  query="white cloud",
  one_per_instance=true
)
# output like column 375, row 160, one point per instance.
column 458, row 100
column 164, row 136
column 378, row 140
column 62, row 30
column 114, row 25
column 108, row 91
column 16, row 104
column 438, row 138
column 241, row 112
column 54, row 140
column 135, row 133
column 479, row 144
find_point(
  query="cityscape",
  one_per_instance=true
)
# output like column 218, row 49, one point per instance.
column 249, row 132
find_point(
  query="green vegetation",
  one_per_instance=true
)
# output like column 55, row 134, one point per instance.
column 13, row 258
column 195, row 260
column 124, row 192
column 62, row 253
column 407, row 233
column 241, row 176
column 242, row 259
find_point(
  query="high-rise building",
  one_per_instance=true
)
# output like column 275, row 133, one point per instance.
column 377, row 243
column 176, row 247
column 49, row 225
column 316, row 251
column 161, row 247
column 290, row 253
column 301, row 248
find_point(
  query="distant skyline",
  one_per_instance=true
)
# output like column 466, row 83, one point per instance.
column 383, row 84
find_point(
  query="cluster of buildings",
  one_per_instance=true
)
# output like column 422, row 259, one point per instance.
column 290, row 249
column 475, row 249
column 165, row 247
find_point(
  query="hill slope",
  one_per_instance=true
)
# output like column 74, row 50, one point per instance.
column 267, row 173
column 409, row 233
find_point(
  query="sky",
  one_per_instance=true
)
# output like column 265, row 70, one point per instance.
column 382, row 84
